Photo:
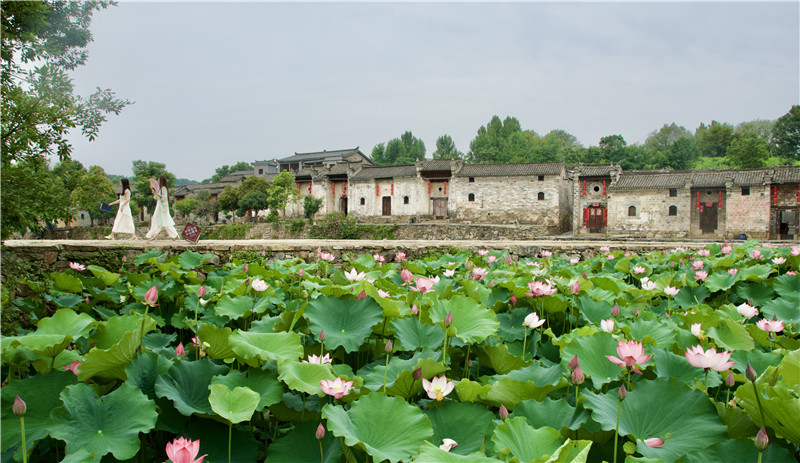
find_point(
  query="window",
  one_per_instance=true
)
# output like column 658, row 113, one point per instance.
column 541, row 178
column 405, row 199
column 632, row 211
column 673, row 192
column 472, row 180
column 673, row 210
column 363, row 201
column 260, row 171
column 471, row 197
column 745, row 191
column 596, row 188
column 82, row 216
column 540, row 196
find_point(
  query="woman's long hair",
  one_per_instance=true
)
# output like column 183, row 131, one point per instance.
column 162, row 181
column 126, row 185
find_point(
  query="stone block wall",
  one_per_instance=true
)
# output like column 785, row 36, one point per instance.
column 397, row 189
column 651, row 217
column 748, row 214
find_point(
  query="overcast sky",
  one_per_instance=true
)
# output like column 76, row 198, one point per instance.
column 217, row 83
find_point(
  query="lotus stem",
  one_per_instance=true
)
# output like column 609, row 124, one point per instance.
column 524, row 341
column 759, row 456
column 760, row 408
column 706, row 381
column 466, row 362
column 385, row 370
column 24, row 444
column 321, row 455
column 141, row 340
column 230, row 433
column 616, row 431
column 444, row 351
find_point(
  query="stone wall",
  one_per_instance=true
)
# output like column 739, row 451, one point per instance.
column 747, row 214
column 650, row 217
column 372, row 192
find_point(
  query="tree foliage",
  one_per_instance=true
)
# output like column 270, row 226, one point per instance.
column 311, row 206
column 786, row 133
column 37, row 194
column 70, row 171
column 93, row 188
column 222, row 172
column 399, row 151
column 713, row 140
column 746, row 151
column 143, row 171
column 446, row 148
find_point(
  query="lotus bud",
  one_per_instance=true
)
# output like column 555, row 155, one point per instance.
column 302, row 272
column 573, row 363
column 448, row 319
column 320, row 432
column 124, row 258
column 321, row 335
column 729, row 381
column 762, row 440
column 585, row 275
column 615, row 311
column 245, row 268
column 180, row 351
column 469, row 363
column 201, row 292
column 513, row 300
column 750, row 373
column 388, row 346
column 622, row 393
column 577, row 376
column 19, row 407
column 418, row 373
column 86, row 299
column 406, row 275
column 503, row 412
column 636, row 312
column 576, row 287
column 414, row 309
column 151, row 296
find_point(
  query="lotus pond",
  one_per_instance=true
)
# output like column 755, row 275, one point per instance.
column 685, row 356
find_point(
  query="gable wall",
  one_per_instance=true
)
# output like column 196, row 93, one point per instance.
column 652, row 219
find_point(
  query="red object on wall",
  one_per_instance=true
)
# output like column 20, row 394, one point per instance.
column 775, row 195
column 585, row 216
column 344, row 190
column 377, row 190
column 604, row 187
column 605, row 222
column 429, row 187
column 333, row 188
column 309, row 188
column 698, row 199
column 298, row 188
column 392, row 189
column 584, row 188
column 445, row 187
column 798, row 193
column 719, row 204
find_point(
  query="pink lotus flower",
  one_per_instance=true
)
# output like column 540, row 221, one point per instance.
column 151, row 297
column 478, row 273
column 448, row 444
column 605, row 249
column 532, row 321
column 770, row 326
column 503, row 412
column 320, row 433
column 378, row 258
column 697, row 265
column 546, row 254
column 414, row 309
column 607, row 325
column 639, row 270
column 302, row 272
column 406, row 275
column 77, row 266
column 615, row 311
column 400, row 256
column 483, row 252
column 631, row 354
column 733, row 271
column 491, row 259
column 438, row 387
column 180, row 351
column 533, row 264
column 424, row 285
column 726, row 249
column 449, row 272
column 577, row 376
column 337, row 387
column 791, row 272
column 703, row 253
column 539, row 289
column 670, row 291
column 795, row 251
column 201, row 291
column 576, row 287
column 259, row 285
column 448, row 319
column 352, row 275
column 648, row 285
column 654, row 442
column 574, row 260
column 709, row 359
column 383, row 294
column 696, row 330
column 19, row 408
column 184, row 451
column 778, row 260
column 326, row 256
column 610, row 257
column 73, row 367
column 755, row 254
column 318, row 360
column 747, row 311
column 701, row 275
column 573, row 363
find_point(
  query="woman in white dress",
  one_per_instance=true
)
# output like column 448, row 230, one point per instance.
column 123, row 222
column 161, row 218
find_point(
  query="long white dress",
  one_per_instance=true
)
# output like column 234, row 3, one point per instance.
column 123, row 222
column 161, row 217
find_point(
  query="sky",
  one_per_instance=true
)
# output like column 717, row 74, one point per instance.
column 215, row 83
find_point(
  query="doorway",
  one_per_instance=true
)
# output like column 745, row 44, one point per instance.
column 343, row 205
column 596, row 220
column 387, row 205
column 440, row 208
column 786, row 223
column 708, row 218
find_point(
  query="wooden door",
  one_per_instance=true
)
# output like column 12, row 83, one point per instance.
column 595, row 223
column 708, row 218
column 440, row 208
column 387, row 205
column 343, row 205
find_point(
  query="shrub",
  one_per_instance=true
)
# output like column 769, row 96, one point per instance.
column 296, row 226
column 229, row 232
column 311, row 206
column 335, row 226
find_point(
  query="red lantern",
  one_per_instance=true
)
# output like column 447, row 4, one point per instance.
column 584, row 188
column 445, row 187
column 604, row 187
column 798, row 193
column 377, row 190
column 698, row 199
column 344, row 190
column 333, row 188
column 605, row 222
column 429, row 187
column 309, row 188
column 392, row 189
column 775, row 195
column 298, row 188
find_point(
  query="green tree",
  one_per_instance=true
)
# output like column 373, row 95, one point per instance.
column 661, row 140
column 681, row 154
column 747, row 151
column 40, row 42
column 37, row 194
column 489, row 144
column 311, row 206
column 228, row 200
column 786, row 134
column 225, row 170
column 713, row 140
column 91, row 190
column 759, row 128
column 446, row 148
column 253, row 201
column 282, row 191
column 399, row 151
column 143, row 171
column 557, row 145
column 187, row 206
column 70, row 171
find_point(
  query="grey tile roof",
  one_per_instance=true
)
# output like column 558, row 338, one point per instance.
column 436, row 165
column 320, row 155
column 510, row 170
column 386, row 172
column 595, row 170
column 644, row 180
column 786, row 174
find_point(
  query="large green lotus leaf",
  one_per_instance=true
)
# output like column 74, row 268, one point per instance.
column 234, row 307
column 510, row 392
column 69, row 301
column 790, row 368
column 300, row 445
column 691, row 296
column 465, row 423
column 511, row 328
column 669, row 365
column 661, row 333
column 235, row 405
column 67, row 282
column 263, row 347
column 413, row 334
column 557, row 414
column 110, row 363
column 719, row 281
column 101, row 425
column 470, row 391
column 593, row 310
column 780, row 403
column 739, row 423
column 650, row 411
column 787, row 286
column 186, row 384
column 536, row 373
column 144, row 369
column 217, row 341
column 81, row 456
column 731, row 335
column 515, row 437
column 498, row 358
column 476, row 291
column 758, row 293
column 757, row 273
column 737, row 450
column 190, row 259
column 591, row 351
column 473, row 322
column 149, row 257
column 304, row 377
column 264, row 382
column 109, row 278
column 346, row 322
column 391, row 308
column 572, row 452
column 109, row 333
column 429, row 453
column 406, row 386
column 41, row 395
column 365, row 424
column 48, row 345
column 66, row 322
column 784, row 309
column 373, row 374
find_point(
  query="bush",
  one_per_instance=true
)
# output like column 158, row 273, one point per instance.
column 296, row 226
column 311, row 206
column 229, row 232
column 335, row 226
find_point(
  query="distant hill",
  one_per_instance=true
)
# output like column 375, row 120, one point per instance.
column 178, row 181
